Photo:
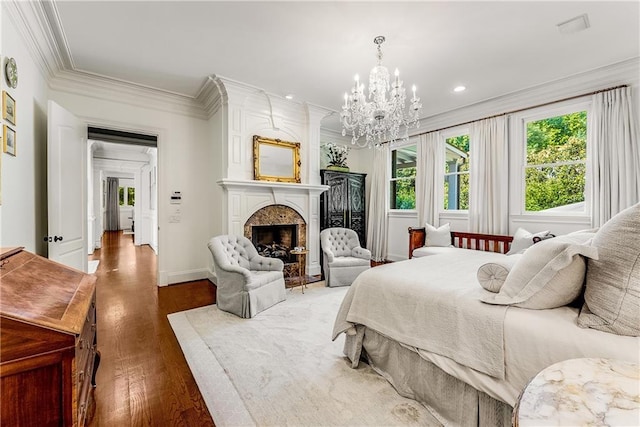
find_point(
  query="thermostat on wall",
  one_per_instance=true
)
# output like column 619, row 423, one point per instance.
column 176, row 197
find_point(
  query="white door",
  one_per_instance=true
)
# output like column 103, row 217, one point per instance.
column 67, row 187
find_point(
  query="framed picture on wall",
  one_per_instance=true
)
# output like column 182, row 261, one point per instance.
column 9, row 137
column 8, row 108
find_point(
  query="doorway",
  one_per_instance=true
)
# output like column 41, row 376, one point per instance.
column 122, row 195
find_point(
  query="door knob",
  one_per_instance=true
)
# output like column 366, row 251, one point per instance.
column 57, row 238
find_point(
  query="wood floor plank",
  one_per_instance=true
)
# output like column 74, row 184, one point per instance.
column 143, row 379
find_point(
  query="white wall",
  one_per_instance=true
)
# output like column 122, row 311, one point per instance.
column 182, row 140
column 627, row 72
column 24, row 194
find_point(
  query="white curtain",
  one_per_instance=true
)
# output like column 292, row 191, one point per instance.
column 429, row 178
column 489, row 179
column 113, row 205
column 614, row 154
column 379, row 204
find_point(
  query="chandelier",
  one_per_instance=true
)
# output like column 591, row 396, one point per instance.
column 381, row 117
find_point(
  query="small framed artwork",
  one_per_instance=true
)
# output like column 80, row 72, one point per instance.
column 9, row 137
column 8, row 108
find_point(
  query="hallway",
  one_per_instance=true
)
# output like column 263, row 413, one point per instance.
column 143, row 378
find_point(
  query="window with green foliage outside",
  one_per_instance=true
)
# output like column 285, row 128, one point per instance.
column 456, row 173
column 555, row 167
column 127, row 196
column 403, row 178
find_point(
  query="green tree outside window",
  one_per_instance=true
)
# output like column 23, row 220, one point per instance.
column 131, row 196
column 556, row 161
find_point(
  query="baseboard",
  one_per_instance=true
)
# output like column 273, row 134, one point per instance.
column 396, row 257
column 169, row 278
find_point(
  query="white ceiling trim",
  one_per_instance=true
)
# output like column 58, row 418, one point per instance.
column 42, row 32
column 622, row 73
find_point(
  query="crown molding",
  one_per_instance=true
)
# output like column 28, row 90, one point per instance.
column 29, row 19
column 212, row 95
column 623, row 72
column 38, row 23
column 106, row 88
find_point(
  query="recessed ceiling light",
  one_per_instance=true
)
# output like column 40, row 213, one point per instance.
column 459, row 89
column 289, row 96
column 573, row 25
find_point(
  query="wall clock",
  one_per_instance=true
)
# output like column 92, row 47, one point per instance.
column 11, row 72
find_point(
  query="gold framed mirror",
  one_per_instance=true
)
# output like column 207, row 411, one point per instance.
column 276, row 160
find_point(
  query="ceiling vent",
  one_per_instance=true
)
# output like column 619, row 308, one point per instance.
column 574, row 25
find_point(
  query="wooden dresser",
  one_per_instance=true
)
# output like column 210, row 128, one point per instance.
column 47, row 341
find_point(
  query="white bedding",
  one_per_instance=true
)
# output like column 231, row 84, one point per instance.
column 431, row 303
column 533, row 340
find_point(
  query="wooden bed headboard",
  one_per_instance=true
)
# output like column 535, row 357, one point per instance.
column 459, row 239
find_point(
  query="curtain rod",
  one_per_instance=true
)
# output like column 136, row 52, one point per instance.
column 523, row 109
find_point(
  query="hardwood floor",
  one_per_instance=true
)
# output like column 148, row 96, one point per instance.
column 143, row 379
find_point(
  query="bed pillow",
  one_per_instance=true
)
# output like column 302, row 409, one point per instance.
column 612, row 293
column 492, row 275
column 550, row 274
column 522, row 240
column 440, row 236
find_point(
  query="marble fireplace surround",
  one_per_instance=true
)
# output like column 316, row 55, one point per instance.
column 246, row 197
column 278, row 215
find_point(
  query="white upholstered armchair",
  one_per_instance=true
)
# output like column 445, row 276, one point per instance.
column 247, row 283
column 343, row 259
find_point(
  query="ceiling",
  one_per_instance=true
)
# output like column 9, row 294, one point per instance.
column 313, row 49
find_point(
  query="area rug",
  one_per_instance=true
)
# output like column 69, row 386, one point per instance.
column 281, row 368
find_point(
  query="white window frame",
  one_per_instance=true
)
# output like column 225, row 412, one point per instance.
column 518, row 158
column 446, row 134
column 414, row 140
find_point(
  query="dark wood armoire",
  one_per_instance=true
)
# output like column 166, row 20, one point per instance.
column 344, row 204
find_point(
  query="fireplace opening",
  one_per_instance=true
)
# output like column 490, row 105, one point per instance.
column 275, row 241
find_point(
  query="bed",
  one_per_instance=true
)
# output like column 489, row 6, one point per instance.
column 420, row 324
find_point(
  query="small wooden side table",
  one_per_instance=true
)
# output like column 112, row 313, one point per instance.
column 301, row 255
column 581, row 392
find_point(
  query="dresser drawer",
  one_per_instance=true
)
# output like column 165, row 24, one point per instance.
column 86, row 339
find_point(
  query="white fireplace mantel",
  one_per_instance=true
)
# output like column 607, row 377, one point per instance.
column 275, row 186
column 245, row 197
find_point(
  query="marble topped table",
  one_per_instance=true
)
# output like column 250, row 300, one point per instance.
column 581, row 392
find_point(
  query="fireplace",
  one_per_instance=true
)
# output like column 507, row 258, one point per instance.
column 275, row 230
column 275, row 241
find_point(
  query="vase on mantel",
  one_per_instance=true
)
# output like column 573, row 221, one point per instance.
column 338, row 168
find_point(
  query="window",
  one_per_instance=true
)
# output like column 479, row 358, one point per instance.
column 127, row 196
column 555, row 166
column 403, row 178
column 456, row 173
column 131, row 196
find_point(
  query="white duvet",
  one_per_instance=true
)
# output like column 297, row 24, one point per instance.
column 431, row 303
column 532, row 339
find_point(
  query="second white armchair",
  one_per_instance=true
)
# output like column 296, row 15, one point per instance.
column 344, row 259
